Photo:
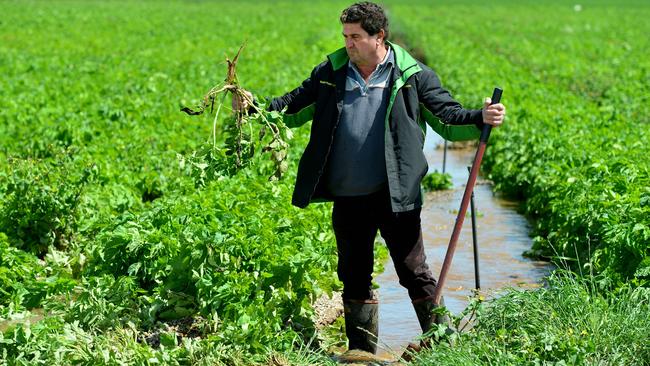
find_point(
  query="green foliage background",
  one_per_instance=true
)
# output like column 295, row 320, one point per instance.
column 104, row 233
column 575, row 144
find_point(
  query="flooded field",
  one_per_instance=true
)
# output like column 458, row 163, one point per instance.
column 502, row 238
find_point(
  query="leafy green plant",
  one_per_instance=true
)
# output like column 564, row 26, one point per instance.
column 40, row 202
column 100, row 302
column 436, row 181
column 26, row 280
column 243, row 132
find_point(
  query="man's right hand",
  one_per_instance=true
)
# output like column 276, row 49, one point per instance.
column 493, row 114
column 242, row 104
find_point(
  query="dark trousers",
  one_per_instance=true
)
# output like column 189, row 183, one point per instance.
column 356, row 221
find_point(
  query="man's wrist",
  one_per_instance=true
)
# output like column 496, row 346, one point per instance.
column 477, row 118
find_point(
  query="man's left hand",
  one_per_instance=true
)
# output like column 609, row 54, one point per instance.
column 493, row 114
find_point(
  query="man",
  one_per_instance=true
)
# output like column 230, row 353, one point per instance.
column 368, row 103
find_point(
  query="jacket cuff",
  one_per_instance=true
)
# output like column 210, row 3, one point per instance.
column 477, row 118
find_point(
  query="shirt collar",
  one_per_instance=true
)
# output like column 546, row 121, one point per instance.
column 388, row 61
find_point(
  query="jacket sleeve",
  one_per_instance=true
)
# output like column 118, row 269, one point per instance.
column 443, row 113
column 299, row 103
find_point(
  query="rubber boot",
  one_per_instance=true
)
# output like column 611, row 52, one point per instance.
column 424, row 311
column 362, row 325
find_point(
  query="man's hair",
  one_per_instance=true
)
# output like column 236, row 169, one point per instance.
column 371, row 16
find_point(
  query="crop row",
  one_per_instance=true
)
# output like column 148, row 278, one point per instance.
column 575, row 143
column 104, row 234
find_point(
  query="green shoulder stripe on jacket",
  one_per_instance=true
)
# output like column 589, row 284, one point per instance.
column 447, row 131
column 299, row 118
column 338, row 58
column 404, row 61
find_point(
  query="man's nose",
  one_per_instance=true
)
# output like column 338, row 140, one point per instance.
column 349, row 43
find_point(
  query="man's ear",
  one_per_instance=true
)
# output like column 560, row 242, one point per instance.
column 380, row 36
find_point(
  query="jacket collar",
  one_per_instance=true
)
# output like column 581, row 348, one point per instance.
column 405, row 63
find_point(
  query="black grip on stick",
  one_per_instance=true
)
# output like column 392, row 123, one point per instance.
column 496, row 98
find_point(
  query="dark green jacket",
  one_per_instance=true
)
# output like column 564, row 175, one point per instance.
column 416, row 97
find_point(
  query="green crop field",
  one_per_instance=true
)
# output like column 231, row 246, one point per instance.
column 576, row 149
column 119, row 245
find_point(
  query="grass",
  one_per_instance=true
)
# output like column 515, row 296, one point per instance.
column 572, row 321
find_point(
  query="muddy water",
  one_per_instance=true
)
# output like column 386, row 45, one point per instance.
column 502, row 237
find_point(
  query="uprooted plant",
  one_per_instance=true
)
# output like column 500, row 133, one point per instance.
column 244, row 130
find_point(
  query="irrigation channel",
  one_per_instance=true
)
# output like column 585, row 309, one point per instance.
column 503, row 235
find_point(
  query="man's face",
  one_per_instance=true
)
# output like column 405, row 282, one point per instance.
column 361, row 47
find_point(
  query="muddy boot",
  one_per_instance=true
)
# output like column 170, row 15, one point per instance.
column 361, row 324
column 424, row 311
